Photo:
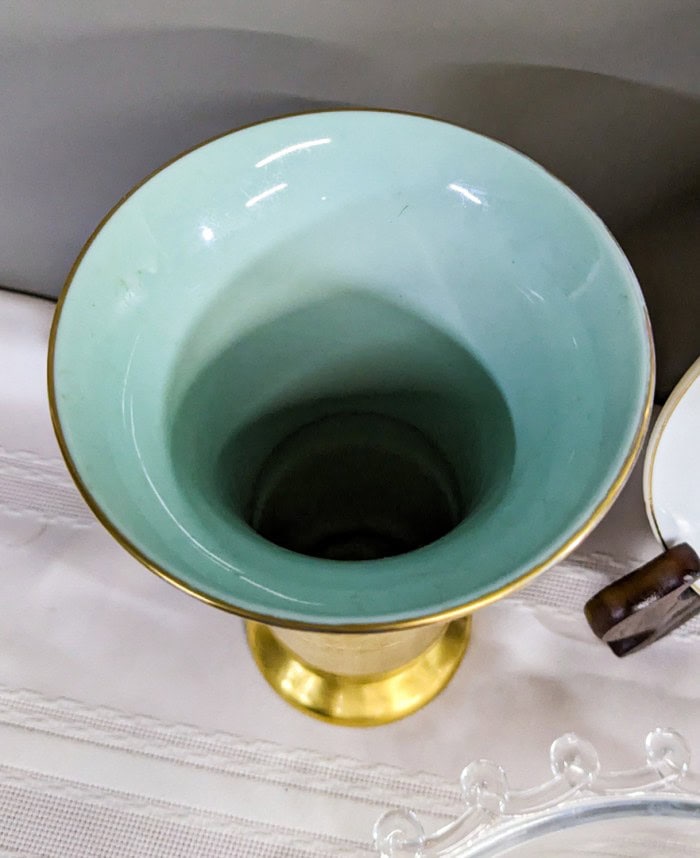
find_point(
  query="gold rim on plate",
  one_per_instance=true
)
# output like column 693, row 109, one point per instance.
column 665, row 415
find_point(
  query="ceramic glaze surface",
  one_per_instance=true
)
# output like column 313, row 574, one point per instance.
column 350, row 261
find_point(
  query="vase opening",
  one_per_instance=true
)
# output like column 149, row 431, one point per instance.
column 355, row 487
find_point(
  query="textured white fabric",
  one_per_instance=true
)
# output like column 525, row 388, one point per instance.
column 133, row 721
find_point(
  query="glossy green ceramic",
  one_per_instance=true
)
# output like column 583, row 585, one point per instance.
column 463, row 305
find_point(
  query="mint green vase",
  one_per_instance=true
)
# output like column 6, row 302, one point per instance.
column 351, row 371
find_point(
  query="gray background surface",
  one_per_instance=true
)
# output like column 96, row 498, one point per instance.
column 604, row 93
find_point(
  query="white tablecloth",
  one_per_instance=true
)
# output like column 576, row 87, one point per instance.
column 133, row 721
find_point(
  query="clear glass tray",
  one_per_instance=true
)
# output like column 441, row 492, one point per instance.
column 653, row 810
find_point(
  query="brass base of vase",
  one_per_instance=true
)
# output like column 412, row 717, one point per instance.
column 359, row 680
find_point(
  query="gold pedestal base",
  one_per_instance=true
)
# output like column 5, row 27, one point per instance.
column 336, row 689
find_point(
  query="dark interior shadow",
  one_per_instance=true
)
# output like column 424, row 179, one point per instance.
column 629, row 150
column 86, row 120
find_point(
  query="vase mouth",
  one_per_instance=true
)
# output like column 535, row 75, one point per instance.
column 85, row 308
column 355, row 487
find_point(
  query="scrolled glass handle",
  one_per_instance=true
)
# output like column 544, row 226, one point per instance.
column 578, row 790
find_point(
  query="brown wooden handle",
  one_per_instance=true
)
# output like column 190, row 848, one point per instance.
column 647, row 604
